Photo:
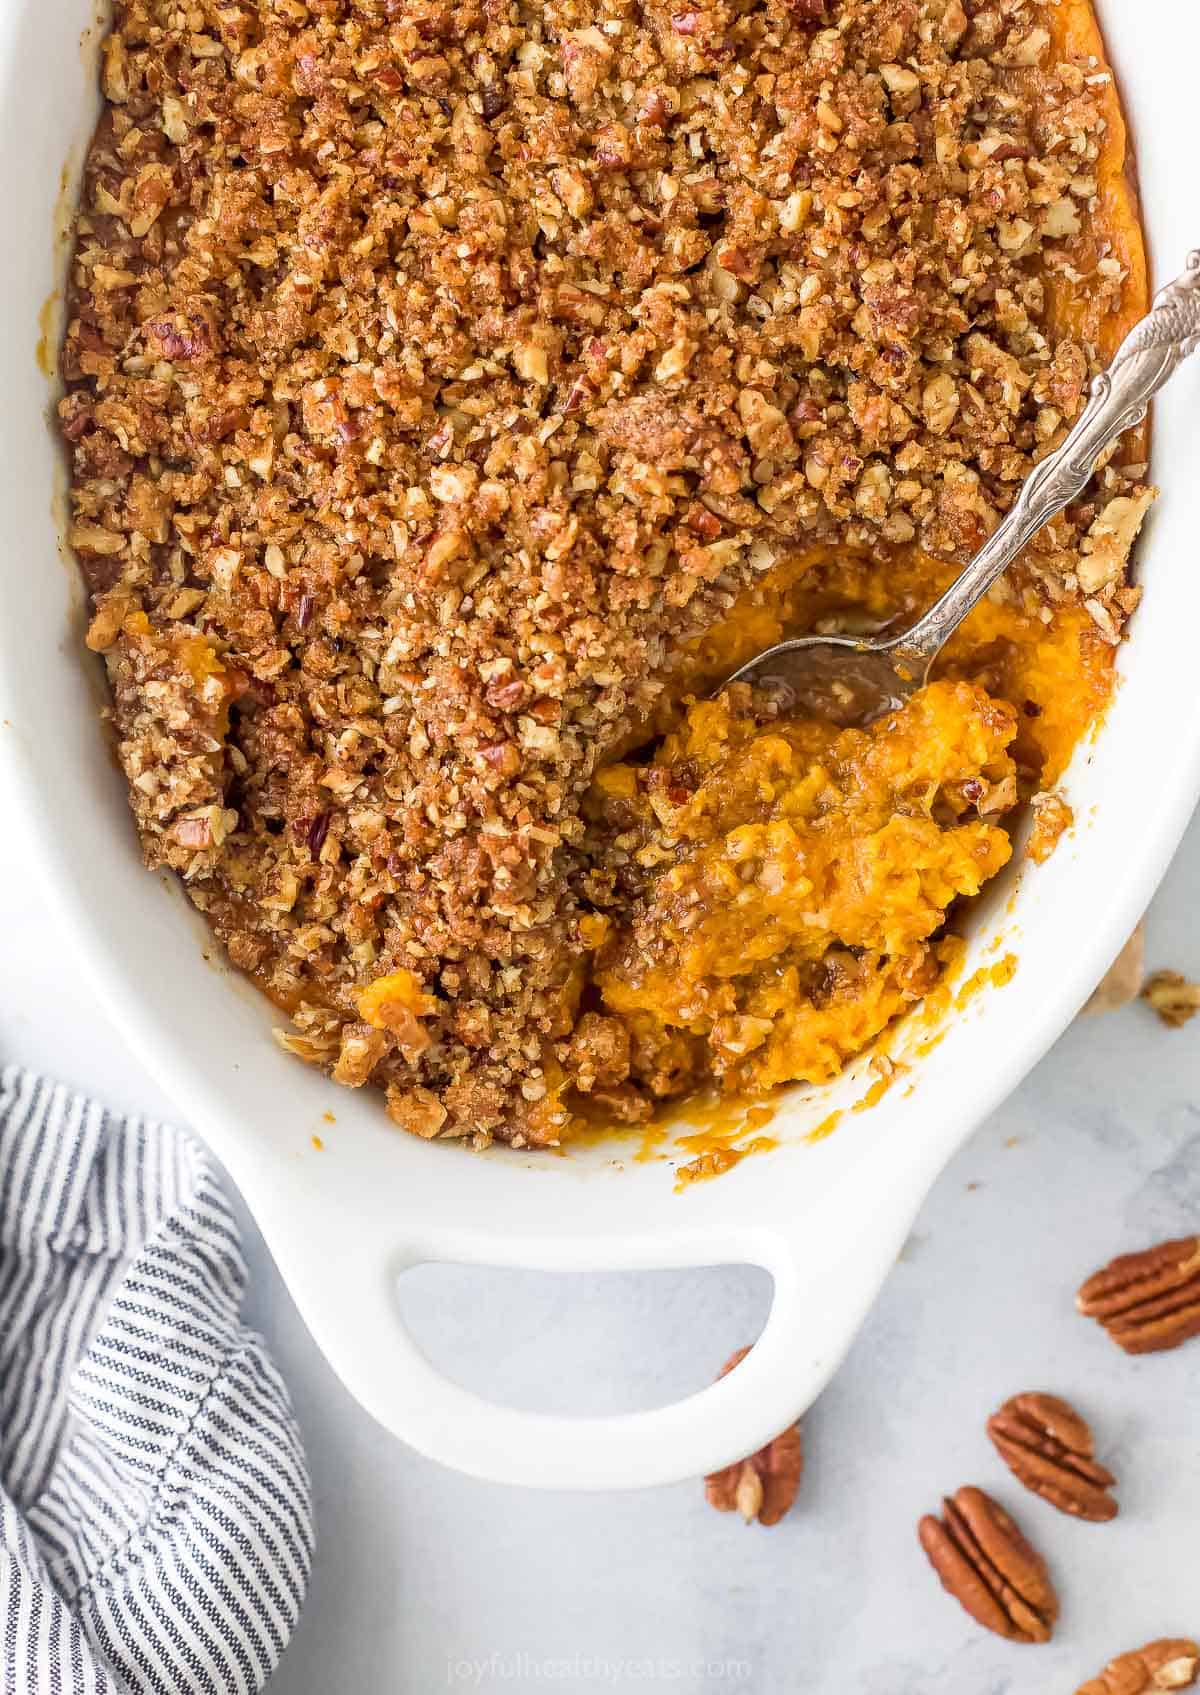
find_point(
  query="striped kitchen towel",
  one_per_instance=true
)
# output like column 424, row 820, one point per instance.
column 155, row 1512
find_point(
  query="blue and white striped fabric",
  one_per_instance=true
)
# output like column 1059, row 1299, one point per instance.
column 155, row 1511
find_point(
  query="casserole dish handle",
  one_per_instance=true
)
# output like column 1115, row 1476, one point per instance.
column 820, row 1297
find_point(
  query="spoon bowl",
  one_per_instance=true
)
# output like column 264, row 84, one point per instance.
column 842, row 679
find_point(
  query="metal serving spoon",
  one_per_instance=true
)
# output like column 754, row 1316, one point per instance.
column 853, row 681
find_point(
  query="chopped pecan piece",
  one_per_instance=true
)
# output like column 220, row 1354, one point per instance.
column 764, row 1486
column 599, row 1052
column 1052, row 817
column 106, row 626
column 1148, row 1301
column 416, row 1110
column 1173, row 998
column 984, row 1561
column 362, row 1047
column 1106, row 547
column 1049, row 1448
column 1170, row 1663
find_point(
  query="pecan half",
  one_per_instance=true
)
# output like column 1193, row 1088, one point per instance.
column 991, row 1570
column 764, row 1486
column 1048, row 1447
column 1147, row 1301
column 1166, row 1664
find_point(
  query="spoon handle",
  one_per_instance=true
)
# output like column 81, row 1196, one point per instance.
column 1152, row 352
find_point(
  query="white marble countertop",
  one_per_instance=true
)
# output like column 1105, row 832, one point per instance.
column 427, row 1580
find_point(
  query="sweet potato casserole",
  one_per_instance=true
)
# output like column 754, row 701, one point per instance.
column 456, row 393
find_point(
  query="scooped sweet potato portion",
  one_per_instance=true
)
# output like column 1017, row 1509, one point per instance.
column 794, row 877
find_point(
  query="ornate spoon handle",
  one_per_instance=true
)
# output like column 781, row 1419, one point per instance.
column 1152, row 352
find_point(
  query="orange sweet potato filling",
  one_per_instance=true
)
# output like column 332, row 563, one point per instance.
column 806, row 871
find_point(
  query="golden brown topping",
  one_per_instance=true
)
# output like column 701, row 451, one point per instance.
column 1148, row 1301
column 764, row 1486
column 984, row 1561
column 1048, row 1448
column 1166, row 1664
column 434, row 372
column 1173, row 997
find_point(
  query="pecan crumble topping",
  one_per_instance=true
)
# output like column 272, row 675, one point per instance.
column 435, row 372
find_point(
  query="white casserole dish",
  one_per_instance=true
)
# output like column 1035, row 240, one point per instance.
column 826, row 1219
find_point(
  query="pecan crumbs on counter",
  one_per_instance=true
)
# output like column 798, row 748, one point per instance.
column 433, row 370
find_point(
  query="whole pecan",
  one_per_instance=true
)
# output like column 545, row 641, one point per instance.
column 987, row 1565
column 1147, row 1301
column 1048, row 1447
column 1166, row 1664
column 764, row 1486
